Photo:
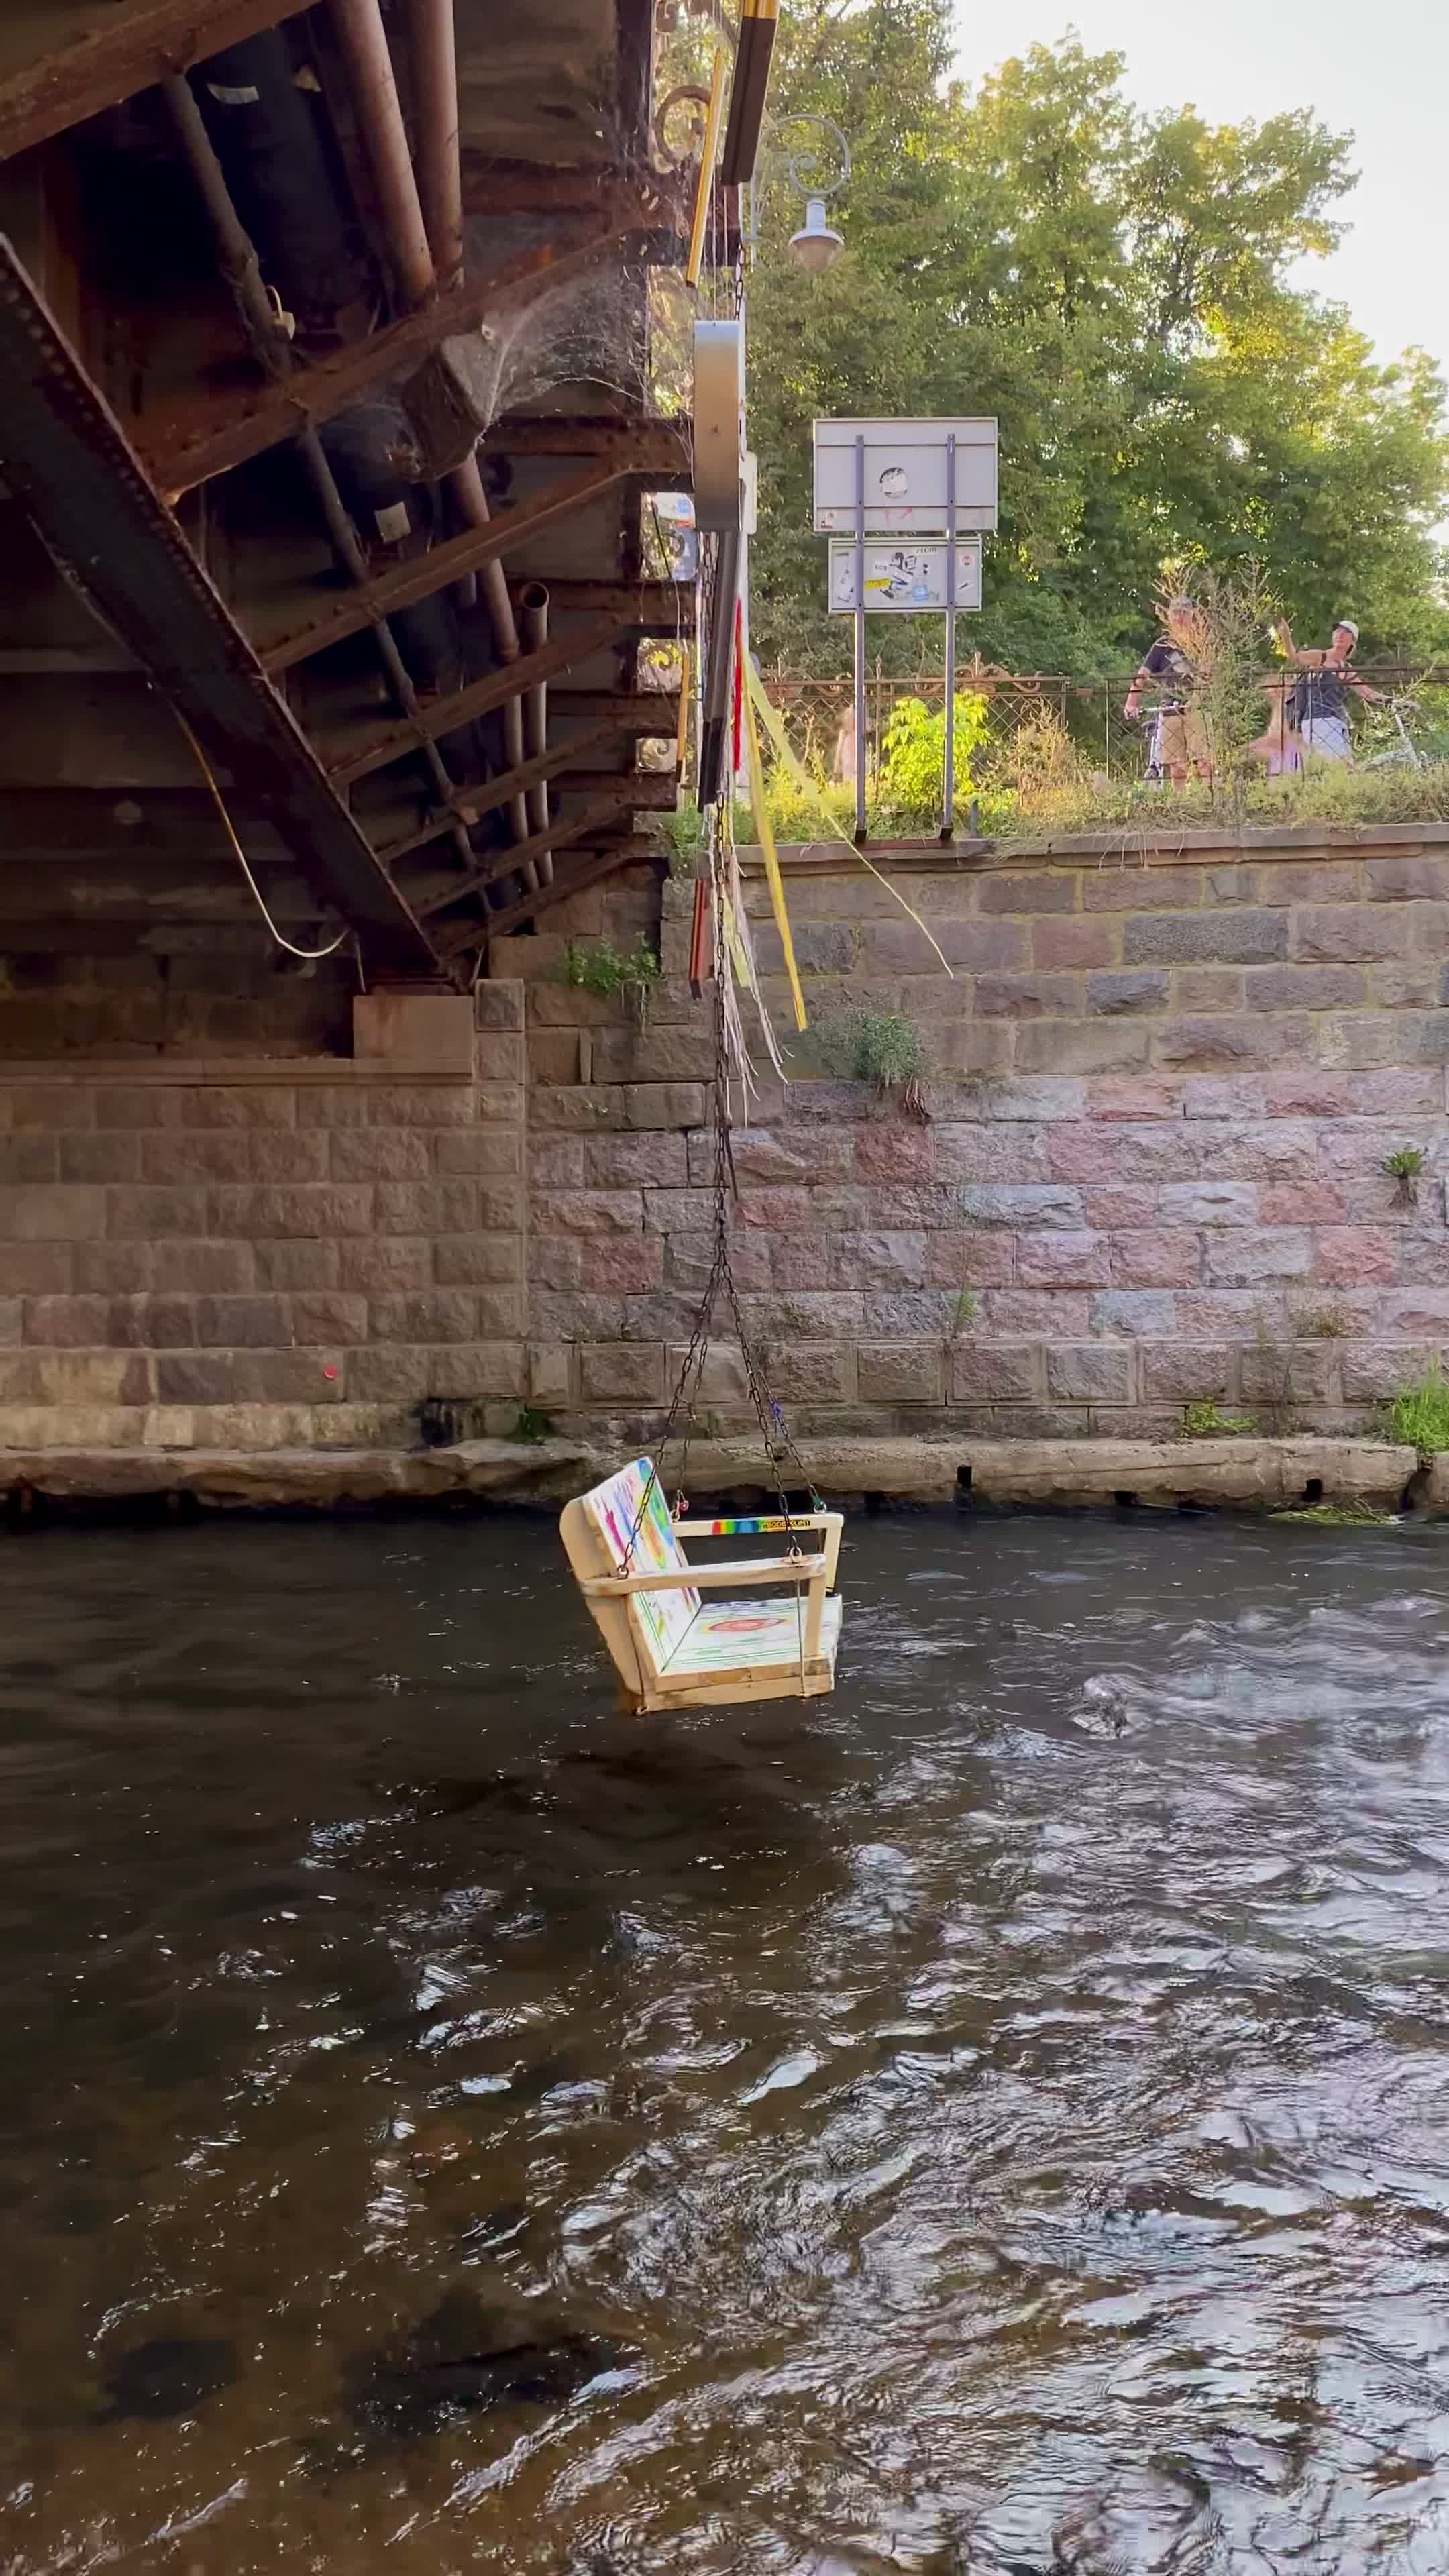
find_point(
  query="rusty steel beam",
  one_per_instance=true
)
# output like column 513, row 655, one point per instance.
column 506, row 863
column 477, row 801
column 62, row 60
column 403, row 584
column 603, row 863
column 478, row 699
column 646, row 607
column 651, row 715
column 66, row 460
column 215, row 429
column 656, row 445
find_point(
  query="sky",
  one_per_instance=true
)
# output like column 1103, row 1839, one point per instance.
column 1378, row 69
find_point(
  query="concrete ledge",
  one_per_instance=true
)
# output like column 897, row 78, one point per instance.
column 1240, row 1475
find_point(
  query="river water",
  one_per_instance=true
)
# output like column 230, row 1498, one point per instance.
column 992, row 2120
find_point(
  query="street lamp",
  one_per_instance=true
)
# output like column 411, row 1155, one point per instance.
column 816, row 159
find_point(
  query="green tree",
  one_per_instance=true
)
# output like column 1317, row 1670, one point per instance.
column 1115, row 288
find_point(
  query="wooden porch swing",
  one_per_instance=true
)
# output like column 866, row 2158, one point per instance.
column 673, row 1643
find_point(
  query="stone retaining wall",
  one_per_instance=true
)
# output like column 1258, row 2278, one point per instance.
column 1162, row 1090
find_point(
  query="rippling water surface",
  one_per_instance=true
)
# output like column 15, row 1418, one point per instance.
column 992, row 2120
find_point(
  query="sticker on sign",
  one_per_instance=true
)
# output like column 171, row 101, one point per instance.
column 907, row 580
column 905, row 474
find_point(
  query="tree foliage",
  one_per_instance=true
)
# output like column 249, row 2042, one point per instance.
column 1115, row 287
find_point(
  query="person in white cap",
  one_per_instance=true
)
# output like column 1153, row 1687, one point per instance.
column 1323, row 692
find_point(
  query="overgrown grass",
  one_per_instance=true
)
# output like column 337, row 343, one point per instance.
column 883, row 1048
column 1418, row 1416
column 1201, row 1420
column 1062, row 802
column 1347, row 1515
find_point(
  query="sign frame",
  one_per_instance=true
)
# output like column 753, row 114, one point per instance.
column 905, row 475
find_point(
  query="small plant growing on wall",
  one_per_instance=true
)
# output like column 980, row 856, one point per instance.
column 1403, row 1168
column 1201, row 1420
column 885, row 1049
column 597, row 966
column 1418, row 1417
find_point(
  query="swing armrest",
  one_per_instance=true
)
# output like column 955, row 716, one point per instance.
column 713, row 1578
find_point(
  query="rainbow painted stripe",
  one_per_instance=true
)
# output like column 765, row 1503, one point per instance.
column 746, row 1529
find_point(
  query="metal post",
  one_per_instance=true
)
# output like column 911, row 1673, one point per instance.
column 859, row 624
column 948, row 789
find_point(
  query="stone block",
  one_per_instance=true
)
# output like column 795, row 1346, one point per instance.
column 225, row 1104
column 1230, row 938
column 422, row 1104
column 53, row 1107
column 965, row 1047
column 150, row 1323
column 429, row 1315
column 1125, row 885
column 1416, row 1313
column 99, row 1269
column 485, row 1153
column 678, row 1211
column 1406, row 983
column 1077, row 1260
column 979, row 946
column 800, row 1260
column 108, row 1154
column 1348, row 934
column 381, row 1153
column 1350, row 1256
column 1067, row 941
column 1041, row 1205
column 50, row 1269
column 190, row 1377
column 621, row 1265
column 36, row 1157
column 12, row 1321
column 498, row 1004
column 1145, row 989
column 1080, row 1046
column 621, row 1162
column 287, row 1377
column 172, row 1156
column 389, row 1373
column 900, row 1372
column 500, row 1057
column 1183, row 1370
column 1215, row 1203
column 1040, row 890
column 688, row 1259
column 813, row 1373
column 126, row 1104
column 1397, row 878
column 425, row 1207
column 1241, row 1258
column 556, row 1055
column 592, row 1211
column 56, row 1212
column 1092, row 1372
column 332, row 1104
column 414, row 1032
column 52, row 1377
column 1209, row 988
column 63, row 1323
column 1276, row 1373
column 1362, row 1039
column 1026, row 1314
column 587, row 1111
column 665, row 1104
column 309, row 1209
column 994, row 1372
column 891, row 1152
column 1083, row 1153
column 622, row 1372
column 794, row 1155
column 1029, row 996
column 557, row 1260
column 1302, row 1203
column 821, row 947
column 238, row 1323
column 1231, row 1039
column 1156, row 1258
column 1134, row 1313
column 1309, row 881
column 972, row 1259
column 862, row 1259
column 548, row 1377
column 477, row 1260
column 1121, row 1208
column 1375, row 1372
column 329, row 1318
column 377, row 1265
column 649, row 1055
column 1231, row 884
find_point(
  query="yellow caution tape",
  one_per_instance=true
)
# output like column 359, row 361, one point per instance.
column 756, row 697
column 766, row 835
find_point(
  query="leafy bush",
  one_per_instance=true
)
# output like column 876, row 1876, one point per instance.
column 884, row 1048
column 1418, row 1417
column 913, row 754
column 597, row 966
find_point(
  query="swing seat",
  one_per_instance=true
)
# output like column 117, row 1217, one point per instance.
column 672, row 1648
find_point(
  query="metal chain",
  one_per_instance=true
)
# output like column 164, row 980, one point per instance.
column 774, row 1431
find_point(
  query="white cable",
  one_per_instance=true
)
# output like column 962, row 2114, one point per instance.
column 309, row 956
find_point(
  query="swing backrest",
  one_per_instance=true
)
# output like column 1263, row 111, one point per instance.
column 597, row 1531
